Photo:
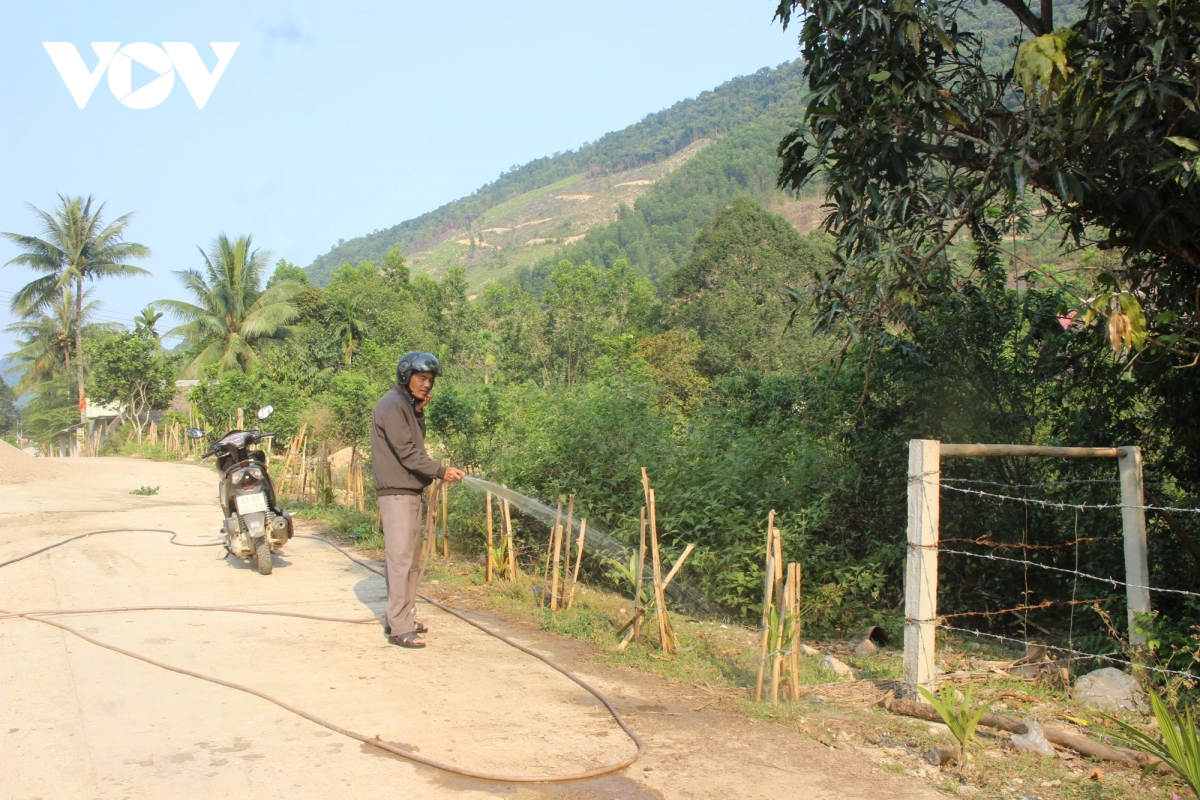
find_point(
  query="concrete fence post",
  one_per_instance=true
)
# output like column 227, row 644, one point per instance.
column 921, row 568
column 1133, row 526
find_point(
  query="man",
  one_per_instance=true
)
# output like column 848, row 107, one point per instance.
column 402, row 469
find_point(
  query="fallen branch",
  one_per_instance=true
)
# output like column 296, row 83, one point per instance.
column 1063, row 737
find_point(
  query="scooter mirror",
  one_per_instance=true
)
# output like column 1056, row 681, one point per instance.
column 195, row 433
column 266, row 411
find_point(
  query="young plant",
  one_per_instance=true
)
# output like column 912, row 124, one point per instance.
column 499, row 555
column 1178, row 747
column 960, row 717
column 146, row 491
column 621, row 573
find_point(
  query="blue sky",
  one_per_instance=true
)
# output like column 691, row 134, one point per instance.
column 335, row 119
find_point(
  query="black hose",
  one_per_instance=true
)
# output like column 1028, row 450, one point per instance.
column 39, row 616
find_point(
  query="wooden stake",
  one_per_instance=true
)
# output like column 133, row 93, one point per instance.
column 362, row 495
column 487, row 572
column 794, row 578
column 554, row 590
column 445, row 520
column 568, row 535
column 782, row 605
column 639, row 613
column 241, row 420
column 550, row 543
column 639, row 610
column 768, row 592
column 660, row 598
column 687, row 551
column 578, row 560
column 508, row 543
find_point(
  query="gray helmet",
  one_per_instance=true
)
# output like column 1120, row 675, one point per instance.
column 416, row 362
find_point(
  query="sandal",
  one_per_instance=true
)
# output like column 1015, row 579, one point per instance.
column 409, row 640
column 421, row 628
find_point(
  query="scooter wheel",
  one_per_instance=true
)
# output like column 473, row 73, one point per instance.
column 262, row 555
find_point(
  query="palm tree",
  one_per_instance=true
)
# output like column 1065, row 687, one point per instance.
column 349, row 324
column 232, row 315
column 75, row 248
column 46, row 339
column 147, row 320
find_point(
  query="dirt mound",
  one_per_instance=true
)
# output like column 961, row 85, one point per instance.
column 19, row 467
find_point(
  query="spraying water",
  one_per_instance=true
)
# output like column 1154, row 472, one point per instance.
column 599, row 540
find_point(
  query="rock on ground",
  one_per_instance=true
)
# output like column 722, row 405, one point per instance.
column 838, row 668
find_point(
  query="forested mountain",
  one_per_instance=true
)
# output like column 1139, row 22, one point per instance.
column 527, row 215
column 641, row 193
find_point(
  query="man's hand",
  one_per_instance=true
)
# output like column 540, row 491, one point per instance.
column 453, row 475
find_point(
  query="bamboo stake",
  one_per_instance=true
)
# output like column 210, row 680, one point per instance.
column 550, row 542
column 782, row 601
column 687, row 551
column 569, row 532
column 429, row 545
column 550, row 551
column 554, row 590
column 640, row 613
column 639, row 609
column 304, row 472
column 363, row 498
column 578, row 560
column 445, row 520
column 660, row 598
column 768, row 591
column 487, row 576
column 508, row 536
column 241, row 420
column 285, row 470
column 794, row 577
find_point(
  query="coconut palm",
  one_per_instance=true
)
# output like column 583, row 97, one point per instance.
column 147, row 320
column 232, row 315
column 75, row 248
column 349, row 325
column 46, row 339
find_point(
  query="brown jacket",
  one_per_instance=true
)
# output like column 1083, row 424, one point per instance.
column 398, row 458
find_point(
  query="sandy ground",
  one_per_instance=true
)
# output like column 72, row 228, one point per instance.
column 81, row 721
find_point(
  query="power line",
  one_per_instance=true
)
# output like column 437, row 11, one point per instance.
column 101, row 314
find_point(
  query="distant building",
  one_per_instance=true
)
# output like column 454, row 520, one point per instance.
column 180, row 402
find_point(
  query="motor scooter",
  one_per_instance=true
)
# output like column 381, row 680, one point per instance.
column 254, row 524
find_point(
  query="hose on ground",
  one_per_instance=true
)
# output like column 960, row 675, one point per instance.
column 40, row 616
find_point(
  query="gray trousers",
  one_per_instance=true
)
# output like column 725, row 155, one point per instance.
column 401, row 514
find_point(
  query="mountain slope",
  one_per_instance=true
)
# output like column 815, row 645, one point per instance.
column 639, row 155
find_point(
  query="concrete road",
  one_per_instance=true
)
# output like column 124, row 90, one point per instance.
column 81, row 721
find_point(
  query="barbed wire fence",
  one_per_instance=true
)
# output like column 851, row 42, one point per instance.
column 926, row 483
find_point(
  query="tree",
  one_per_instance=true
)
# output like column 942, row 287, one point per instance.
column 46, row 339
column 349, row 324
column 287, row 271
column 920, row 134
column 128, row 368
column 8, row 409
column 587, row 304
column 733, row 290
column 146, row 320
column 74, row 250
column 232, row 316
